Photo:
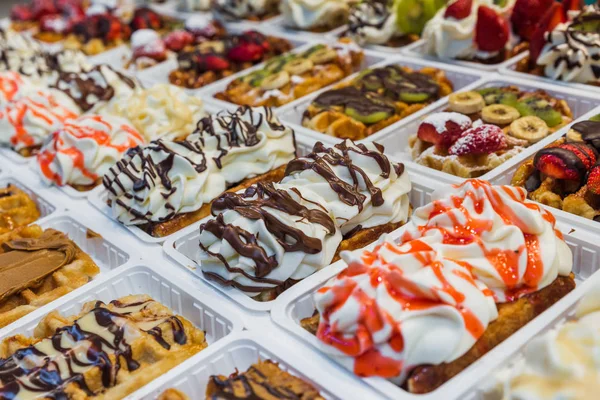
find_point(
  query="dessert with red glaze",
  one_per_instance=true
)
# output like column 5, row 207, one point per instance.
column 481, row 129
column 472, row 268
column 566, row 174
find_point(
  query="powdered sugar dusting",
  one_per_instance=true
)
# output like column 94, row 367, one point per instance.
column 438, row 120
column 481, row 140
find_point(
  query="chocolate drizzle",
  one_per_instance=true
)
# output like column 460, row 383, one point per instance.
column 569, row 158
column 372, row 13
column 590, row 132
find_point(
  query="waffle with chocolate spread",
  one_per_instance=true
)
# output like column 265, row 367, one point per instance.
column 17, row 209
column 106, row 351
column 374, row 100
column 39, row 266
column 264, row 239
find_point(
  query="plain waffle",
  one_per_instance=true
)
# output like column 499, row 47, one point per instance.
column 16, row 209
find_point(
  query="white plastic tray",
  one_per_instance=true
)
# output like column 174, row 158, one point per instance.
column 510, row 69
column 417, row 49
column 66, row 189
column 15, row 157
column 45, row 207
column 297, row 303
column 184, row 248
column 462, row 79
column 238, row 352
column 396, row 140
column 209, row 91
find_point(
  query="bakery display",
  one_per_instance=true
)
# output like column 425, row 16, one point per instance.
column 565, row 174
column 265, row 238
column 375, row 99
column 483, row 128
column 164, row 186
column 473, row 267
column 250, row 10
column 390, row 23
column 290, row 76
column 262, row 381
column 17, row 209
column 39, row 266
column 316, row 16
column 106, row 351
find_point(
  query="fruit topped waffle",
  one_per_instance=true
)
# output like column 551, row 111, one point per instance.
column 250, row 10
column 482, row 129
column 374, row 100
column 291, row 76
column 56, row 17
column 566, row 174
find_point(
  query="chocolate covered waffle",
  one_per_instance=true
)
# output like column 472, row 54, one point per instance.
column 17, row 209
column 482, row 129
column 39, row 266
column 263, row 380
column 293, row 75
column 167, row 185
column 472, row 268
column 566, row 174
column 106, row 351
column 264, row 239
column 374, row 100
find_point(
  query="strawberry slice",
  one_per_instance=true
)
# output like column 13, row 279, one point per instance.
column 526, row 15
column 43, row 7
column 593, row 180
column 484, row 139
column 554, row 16
column 568, row 161
column 460, row 9
column 246, row 52
column 442, row 129
column 176, row 41
column 491, row 30
column 570, row 5
column 21, row 12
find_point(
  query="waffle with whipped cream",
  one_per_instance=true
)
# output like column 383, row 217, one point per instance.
column 106, row 351
column 17, row 209
column 317, row 16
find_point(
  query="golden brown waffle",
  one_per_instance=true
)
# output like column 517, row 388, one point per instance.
column 511, row 317
column 173, row 394
column 16, row 209
column 263, row 380
column 122, row 346
column 92, row 47
column 38, row 267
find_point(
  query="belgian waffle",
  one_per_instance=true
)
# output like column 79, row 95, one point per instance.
column 38, row 267
column 116, row 349
column 16, row 209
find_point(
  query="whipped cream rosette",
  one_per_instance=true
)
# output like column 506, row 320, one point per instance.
column 84, row 149
column 233, row 10
column 372, row 22
column 14, row 86
column 156, row 182
column 314, row 14
column 428, row 297
column 266, row 238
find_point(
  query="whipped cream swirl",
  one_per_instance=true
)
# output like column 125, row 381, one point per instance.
column 429, row 296
column 154, row 183
column 241, row 9
column 312, row 14
column 372, row 22
column 14, row 86
column 195, row 5
column 84, row 149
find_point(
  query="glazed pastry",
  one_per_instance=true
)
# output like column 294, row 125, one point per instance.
column 253, row 10
column 473, row 267
column 226, row 150
column 160, row 112
column 39, row 266
column 471, row 30
column 291, row 76
column 83, row 150
column 217, row 54
column 374, row 100
column 264, row 239
column 17, row 209
column 263, row 380
column 566, row 174
column 481, row 129
column 558, row 364
column 315, row 15
column 107, row 350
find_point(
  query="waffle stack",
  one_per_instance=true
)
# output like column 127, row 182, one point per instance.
column 16, row 209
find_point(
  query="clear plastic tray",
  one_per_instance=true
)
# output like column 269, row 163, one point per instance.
column 184, row 249
column 417, row 49
column 238, row 352
column 462, row 78
column 297, row 303
column 15, row 157
column 45, row 207
column 396, row 140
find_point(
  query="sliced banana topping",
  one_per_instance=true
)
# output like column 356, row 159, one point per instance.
column 574, row 136
column 298, row 66
column 275, row 81
column 499, row 114
column 216, row 46
column 530, row 128
column 323, row 55
column 466, row 102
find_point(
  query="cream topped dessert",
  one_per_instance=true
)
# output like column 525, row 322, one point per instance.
column 84, row 149
column 42, row 66
column 430, row 296
column 156, row 182
column 314, row 14
column 195, row 5
column 14, row 86
column 372, row 22
column 233, row 10
column 268, row 237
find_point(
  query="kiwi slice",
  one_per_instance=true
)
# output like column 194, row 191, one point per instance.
column 413, row 97
column 498, row 96
column 500, row 3
column 541, row 108
column 595, row 118
column 412, row 15
column 312, row 50
column 370, row 82
column 371, row 118
column 257, row 77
